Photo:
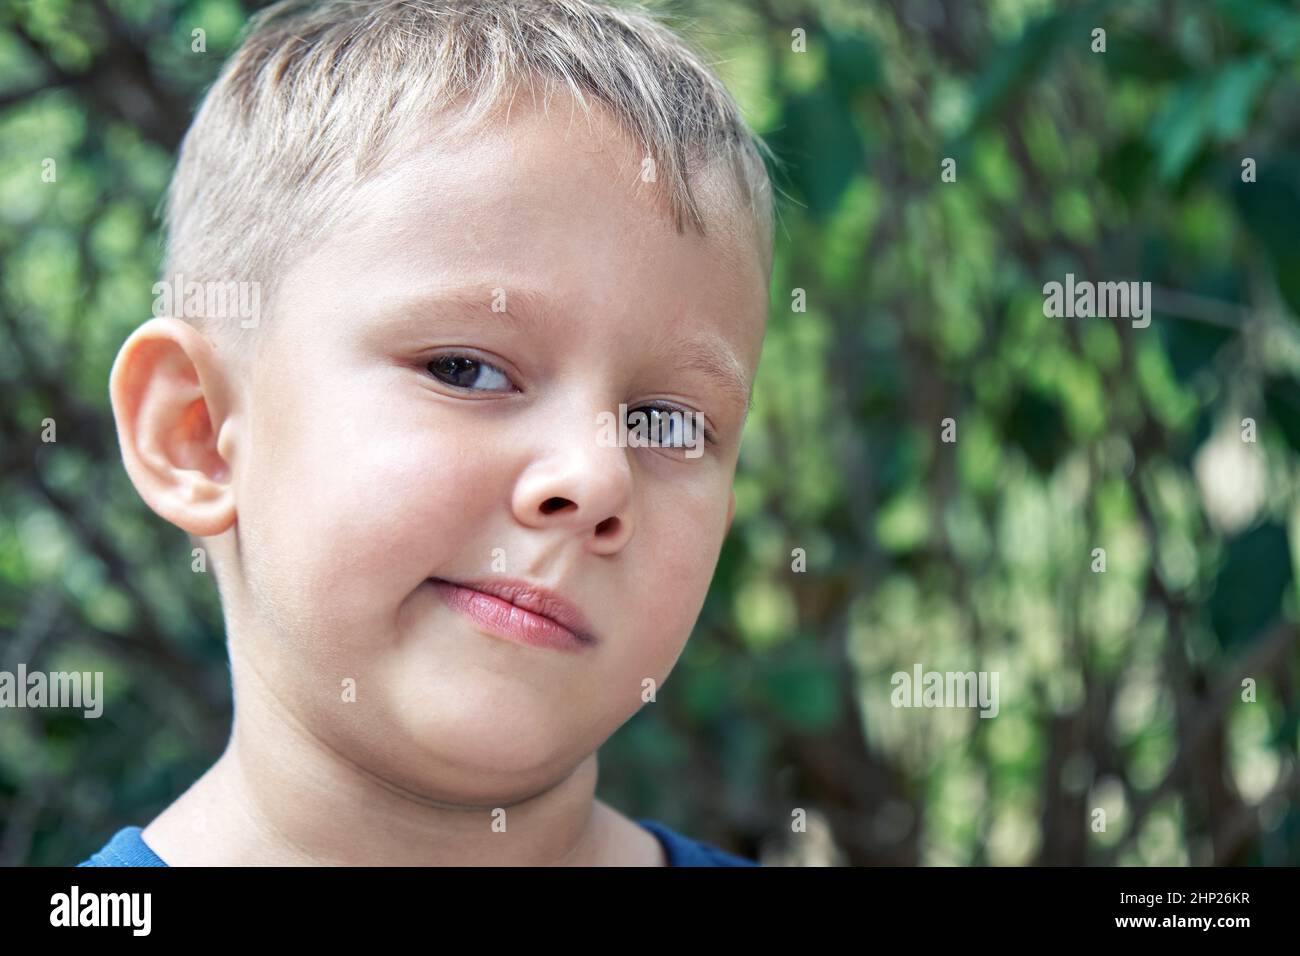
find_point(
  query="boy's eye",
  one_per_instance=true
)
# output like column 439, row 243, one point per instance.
column 674, row 427
column 461, row 371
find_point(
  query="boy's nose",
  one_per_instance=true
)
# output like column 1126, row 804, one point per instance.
column 579, row 486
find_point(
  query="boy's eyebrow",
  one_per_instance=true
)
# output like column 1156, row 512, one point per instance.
column 528, row 307
column 721, row 365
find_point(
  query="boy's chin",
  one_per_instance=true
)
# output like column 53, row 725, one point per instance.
column 507, row 744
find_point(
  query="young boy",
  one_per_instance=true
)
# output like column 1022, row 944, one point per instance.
column 475, row 231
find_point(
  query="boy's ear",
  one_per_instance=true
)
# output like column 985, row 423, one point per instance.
column 170, row 397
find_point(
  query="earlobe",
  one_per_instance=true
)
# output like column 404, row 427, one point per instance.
column 170, row 399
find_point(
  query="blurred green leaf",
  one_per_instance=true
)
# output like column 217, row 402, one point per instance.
column 1036, row 425
column 1191, row 344
column 1270, row 207
column 852, row 64
column 1248, row 591
column 1018, row 64
column 1282, row 399
column 818, row 139
column 1204, row 111
column 1127, row 167
column 801, row 688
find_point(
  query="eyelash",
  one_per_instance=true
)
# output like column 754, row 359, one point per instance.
column 652, row 406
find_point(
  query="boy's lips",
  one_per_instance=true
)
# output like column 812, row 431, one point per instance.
column 520, row 611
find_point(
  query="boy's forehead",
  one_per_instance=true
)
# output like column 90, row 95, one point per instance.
column 551, row 199
column 527, row 141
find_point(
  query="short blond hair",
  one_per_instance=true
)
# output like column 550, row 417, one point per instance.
column 320, row 92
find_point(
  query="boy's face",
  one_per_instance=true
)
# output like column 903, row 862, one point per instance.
column 359, row 474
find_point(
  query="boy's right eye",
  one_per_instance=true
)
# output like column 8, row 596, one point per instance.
column 461, row 371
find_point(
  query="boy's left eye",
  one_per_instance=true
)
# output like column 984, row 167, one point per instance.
column 461, row 371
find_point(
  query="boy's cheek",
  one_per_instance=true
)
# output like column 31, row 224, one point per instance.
column 358, row 529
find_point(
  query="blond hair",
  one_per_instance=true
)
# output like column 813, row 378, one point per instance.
column 320, row 92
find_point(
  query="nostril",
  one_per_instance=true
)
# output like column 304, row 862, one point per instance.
column 608, row 526
column 552, row 505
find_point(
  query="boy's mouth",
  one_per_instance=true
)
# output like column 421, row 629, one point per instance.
column 519, row 611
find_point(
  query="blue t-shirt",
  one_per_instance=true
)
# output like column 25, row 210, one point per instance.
column 127, row 848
